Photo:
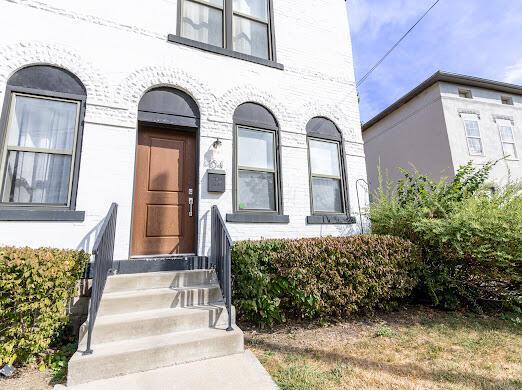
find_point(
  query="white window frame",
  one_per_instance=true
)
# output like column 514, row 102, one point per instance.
column 313, row 175
column 7, row 148
column 473, row 118
column 503, row 142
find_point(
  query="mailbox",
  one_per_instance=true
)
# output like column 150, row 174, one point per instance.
column 216, row 180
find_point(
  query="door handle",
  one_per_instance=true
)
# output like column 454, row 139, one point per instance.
column 191, row 203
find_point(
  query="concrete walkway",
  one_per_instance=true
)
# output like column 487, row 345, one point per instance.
column 234, row 372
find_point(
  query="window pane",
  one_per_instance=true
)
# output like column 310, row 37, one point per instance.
column 324, row 158
column 36, row 178
column 509, row 150
column 506, row 133
column 256, row 149
column 41, row 123
column 256, row 8
column 327, row 195
column 256, row 191
column 472, row 128
column 202, row 23
column 250, row 37
column 475, row 145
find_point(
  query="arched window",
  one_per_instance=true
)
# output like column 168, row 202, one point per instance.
column 41, row 138
column 257, row 179
column 327, row 173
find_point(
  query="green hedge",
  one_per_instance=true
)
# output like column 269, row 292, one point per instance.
column 325, row 278
column 35, row 287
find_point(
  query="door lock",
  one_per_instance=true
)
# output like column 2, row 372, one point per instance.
column 190, row 201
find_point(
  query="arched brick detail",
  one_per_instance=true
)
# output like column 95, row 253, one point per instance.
column 230, row 100
column 23, row 54
column 142, row 80
column 334, row 113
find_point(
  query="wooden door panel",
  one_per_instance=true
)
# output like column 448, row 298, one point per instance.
column 166, row 159
column 165, row 171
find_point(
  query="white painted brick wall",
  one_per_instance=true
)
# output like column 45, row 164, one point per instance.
column 120, row 52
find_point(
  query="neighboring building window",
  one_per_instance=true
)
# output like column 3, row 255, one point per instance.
column 473, row 137
column 202, row 20
column 41, row 138
column 257, row 187
column 243, row 26
column 508, row 100
column 327, row 184
column 507, row 138
column 465, row 93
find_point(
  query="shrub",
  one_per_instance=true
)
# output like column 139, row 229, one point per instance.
column 471, row 240
column 325, row 278
column 35, row 287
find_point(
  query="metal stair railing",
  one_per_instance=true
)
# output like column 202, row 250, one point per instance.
column 221, row 257
column 103, row 252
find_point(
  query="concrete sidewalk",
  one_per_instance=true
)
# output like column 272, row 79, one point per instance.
column 234, row 372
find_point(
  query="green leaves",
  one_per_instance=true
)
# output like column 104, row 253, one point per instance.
column 35, row 286
column 471, row 240
column 323, row 278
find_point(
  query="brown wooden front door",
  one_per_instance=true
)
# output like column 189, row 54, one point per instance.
column 164, row 186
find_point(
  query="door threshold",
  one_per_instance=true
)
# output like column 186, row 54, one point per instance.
column 162, row 256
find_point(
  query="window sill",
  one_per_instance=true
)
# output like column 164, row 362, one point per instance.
column 257, row 218
column 330, row 220
column 223, row 51
column 18, row 214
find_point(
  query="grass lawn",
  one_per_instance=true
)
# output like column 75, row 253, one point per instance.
column 414, row 348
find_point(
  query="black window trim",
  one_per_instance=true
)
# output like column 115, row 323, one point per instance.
column 23, row 212
column 322, row 217
column 257, row 216
column 227, row 48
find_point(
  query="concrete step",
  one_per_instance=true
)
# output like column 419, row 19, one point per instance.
column 172, row 279
column 130, row 356
column 235, row 372
column 117, row 327
column 159, row 298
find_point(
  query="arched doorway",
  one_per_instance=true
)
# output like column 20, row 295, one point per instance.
column 164, row 216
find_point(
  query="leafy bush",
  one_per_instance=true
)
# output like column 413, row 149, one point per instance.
column 35, row 287
column 471, row 240
column 323, row 278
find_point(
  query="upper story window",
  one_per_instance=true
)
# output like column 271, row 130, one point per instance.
column 465, row 93
column 41, row 138
column 257, row 178
column 327, row 179
column 202, row 20
column 251, row 27
column 473, row 138
column 242, row 26
column 507, row 138
column 508, row 100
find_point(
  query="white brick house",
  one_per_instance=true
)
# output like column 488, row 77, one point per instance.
column 301, row 69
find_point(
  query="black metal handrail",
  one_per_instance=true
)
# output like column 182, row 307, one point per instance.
column 103, row 252
column 221, row 257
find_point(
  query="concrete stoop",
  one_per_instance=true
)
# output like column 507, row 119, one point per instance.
column 155, row 320
column 241, row 371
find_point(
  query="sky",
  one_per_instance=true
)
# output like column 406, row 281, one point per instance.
column 480, row 38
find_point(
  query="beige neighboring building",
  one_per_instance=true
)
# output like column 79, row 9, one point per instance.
column 445, row 122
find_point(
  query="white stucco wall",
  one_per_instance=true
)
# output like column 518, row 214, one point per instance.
column 488, row 107
column 121, row 51
column 412, row 137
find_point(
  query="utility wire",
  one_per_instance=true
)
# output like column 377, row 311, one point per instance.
column 363, row 79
